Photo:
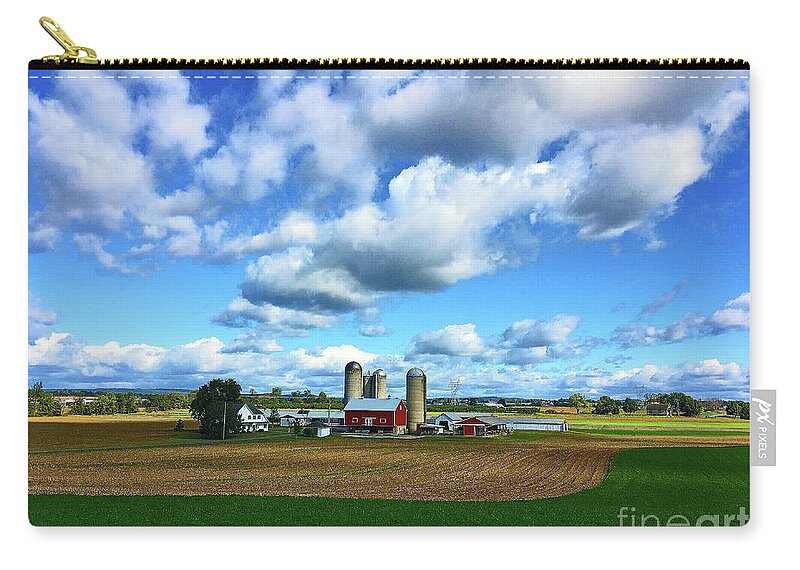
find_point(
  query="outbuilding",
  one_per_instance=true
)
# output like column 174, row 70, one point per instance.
column 480, row 425
column 320, row 429
column 656, row 409
column 447, row 420
column 376, row 415
column 539, row 424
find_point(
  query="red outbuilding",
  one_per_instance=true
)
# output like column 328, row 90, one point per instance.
column 375, row 415
column 479, row 425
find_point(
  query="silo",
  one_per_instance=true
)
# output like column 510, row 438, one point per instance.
column 369, row 385
column 416, row 392
column 380, row 384
column 352, row 381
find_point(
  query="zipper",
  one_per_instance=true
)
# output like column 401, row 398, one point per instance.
column 80, row 57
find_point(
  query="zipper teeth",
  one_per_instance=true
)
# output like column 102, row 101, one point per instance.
column 392, row 63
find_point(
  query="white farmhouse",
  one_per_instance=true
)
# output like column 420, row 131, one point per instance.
column 252, row 418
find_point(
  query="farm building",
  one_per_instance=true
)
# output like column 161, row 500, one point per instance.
column 304, row 417
column 430, row 429
column 251, row 417
column 538, row 424
column 376, row 415
column 480, row 425
column 655, row 409
column 449, row 419
column 320, row 429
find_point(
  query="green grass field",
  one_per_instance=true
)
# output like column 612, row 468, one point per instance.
column 659, row 482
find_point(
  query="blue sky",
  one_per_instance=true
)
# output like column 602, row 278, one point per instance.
column 533, row 236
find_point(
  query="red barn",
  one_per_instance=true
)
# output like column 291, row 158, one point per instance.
column 375, row 414
column 479, row 425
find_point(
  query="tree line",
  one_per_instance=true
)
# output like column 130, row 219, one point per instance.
column 45, row 403
column 682, row 404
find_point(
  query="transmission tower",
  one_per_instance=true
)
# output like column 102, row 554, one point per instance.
column 640, row 392
column 454, row 386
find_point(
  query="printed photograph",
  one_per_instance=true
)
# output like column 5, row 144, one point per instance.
column 327, row 297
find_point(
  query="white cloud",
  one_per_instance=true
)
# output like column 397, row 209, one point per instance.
column 253, row 341
column 95, row 245
column 40, row 318
column 452, row 340
column 735, row 315
column 373, row 330
column 293, row 280
column 535, row 333
column 289, row 322
column 330, row 360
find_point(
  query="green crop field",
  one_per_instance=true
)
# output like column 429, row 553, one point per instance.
column 656, row 483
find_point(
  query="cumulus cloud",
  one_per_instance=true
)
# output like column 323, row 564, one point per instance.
column 452, row 340
column 533, row 341
column 62, row 360
column 534, row 333
column 704, row 378
column 735, row 315
column 242, row 313
column 292, row 279
column 40, row 318
column 373, row 330
column 340, row 193
column 329, row 361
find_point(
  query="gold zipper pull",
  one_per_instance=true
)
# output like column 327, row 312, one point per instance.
column 72, row 53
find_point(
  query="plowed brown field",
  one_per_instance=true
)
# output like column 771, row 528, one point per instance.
column 463, row 469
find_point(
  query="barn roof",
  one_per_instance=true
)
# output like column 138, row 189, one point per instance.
column 488, row 420
column 372, row 405
column 253, row 410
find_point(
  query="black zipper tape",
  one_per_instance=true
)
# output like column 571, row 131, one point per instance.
column 416, row 64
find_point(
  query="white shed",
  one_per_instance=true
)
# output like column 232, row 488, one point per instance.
column 320, row 429
column 538, row 424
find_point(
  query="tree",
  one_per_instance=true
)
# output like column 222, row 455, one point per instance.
column 208, row 405
column 744, row 411
column 126, row 403
column 79, row 407
column 276, row 392
column 577, row 401
column 274, row 417
column 681, row 403
column 606, row 405
column 630, row 405
column 42, row 403
column 738, row 409
column 104, row 404
column 323, row 397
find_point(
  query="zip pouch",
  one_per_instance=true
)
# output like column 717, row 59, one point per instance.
column 388, row 292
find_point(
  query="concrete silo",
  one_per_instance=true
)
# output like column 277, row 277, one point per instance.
column 416, row 393
column 380, row 384
column 353, row 382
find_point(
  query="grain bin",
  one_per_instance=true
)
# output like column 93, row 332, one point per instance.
column 380, row 384
column 369, row 385
column 353, row 387
column 416, row 393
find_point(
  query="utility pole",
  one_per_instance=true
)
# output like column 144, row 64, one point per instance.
column 224, row 416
